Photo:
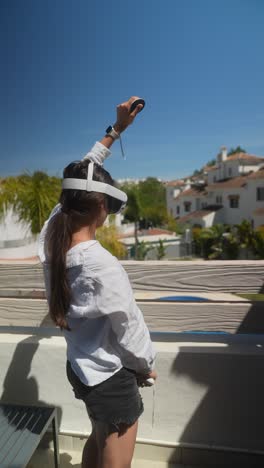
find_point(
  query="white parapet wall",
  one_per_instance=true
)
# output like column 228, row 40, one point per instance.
column 209, row 391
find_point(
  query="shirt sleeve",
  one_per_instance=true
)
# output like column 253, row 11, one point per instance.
column 116, row 300
column 98, row 153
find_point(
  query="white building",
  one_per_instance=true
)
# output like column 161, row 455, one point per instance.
column 231, row 191
column 16, row 238
column 235, row 165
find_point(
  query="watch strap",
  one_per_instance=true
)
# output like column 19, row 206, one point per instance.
column 111, row 132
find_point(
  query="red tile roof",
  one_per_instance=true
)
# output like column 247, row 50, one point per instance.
column 259, row 212
column 209, row 168
column 195, row 214
column 257, row 175
column 235, row 182
column 156, row 232
column 175, row 183
column 147, row 232
column 192, row 192
column 245, row 157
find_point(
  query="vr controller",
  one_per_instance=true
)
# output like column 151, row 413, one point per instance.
column 149, row 382
column 136, row 103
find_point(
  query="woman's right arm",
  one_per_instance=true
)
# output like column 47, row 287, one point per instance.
column 100, row 151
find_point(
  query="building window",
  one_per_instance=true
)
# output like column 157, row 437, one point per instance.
column 230, row 171
column 214, row 179
column 234, row 201
column 260, row 193
column 187, row 206
column 178, row 210
column 219, row 200
column 204, row 205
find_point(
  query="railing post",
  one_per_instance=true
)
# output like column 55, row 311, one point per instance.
column 55, row 440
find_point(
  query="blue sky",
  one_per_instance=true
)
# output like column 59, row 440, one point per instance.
column 65, row 65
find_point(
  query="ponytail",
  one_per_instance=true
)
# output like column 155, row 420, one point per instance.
column 78, row 208
column 59, row 237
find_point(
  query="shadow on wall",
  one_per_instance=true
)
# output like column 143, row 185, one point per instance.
column 21, row 388
column 231, row 413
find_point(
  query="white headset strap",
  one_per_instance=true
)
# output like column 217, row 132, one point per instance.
column 89, row 176
column 91, row 185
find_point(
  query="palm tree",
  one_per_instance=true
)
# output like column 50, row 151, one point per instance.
column 218, row 241
column 258, row 244
column 211, row 241
column 245, row 235
column 32, row 197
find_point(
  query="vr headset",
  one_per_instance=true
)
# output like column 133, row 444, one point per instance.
column 116, row 199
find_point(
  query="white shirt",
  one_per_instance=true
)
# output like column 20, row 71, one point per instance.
column 108, row 330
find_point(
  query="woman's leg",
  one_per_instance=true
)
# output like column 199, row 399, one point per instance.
column 90, row 451
column 115, row 450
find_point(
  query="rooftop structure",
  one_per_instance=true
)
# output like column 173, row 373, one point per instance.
column 232, row 190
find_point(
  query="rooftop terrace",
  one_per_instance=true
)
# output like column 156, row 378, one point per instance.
column 206, row 408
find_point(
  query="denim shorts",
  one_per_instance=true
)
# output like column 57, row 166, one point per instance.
column 115, row 401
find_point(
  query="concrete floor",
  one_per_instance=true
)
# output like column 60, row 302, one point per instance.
column 44, row 459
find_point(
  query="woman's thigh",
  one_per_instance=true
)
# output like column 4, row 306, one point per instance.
column 116, row 449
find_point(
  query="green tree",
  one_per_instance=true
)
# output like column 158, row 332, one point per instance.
column 146, row 203
column 133, row 210
column 161, row 250
column 212, row 162
column 211, row 241
column 238, row 149
column 258, row 244
column 217, row 242
column 197, row 172
column 171, row 224
column 197, row 245
column 230, row 245
column 32, row 197
column 245, row 235
column 143, row 249
column 108, row 237
column 152, row 199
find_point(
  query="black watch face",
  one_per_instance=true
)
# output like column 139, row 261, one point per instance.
column 108, row 130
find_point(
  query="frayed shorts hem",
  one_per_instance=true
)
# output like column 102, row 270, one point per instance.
column 110, row 427
column 115, row 403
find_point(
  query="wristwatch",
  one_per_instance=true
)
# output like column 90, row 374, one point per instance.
column 112, row 133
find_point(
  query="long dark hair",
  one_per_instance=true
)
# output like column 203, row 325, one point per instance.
column 78, row 208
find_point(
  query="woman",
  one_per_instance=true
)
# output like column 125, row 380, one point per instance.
column 109, row 351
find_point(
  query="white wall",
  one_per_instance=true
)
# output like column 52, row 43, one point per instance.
column 209, row 389
column 230, row 169
column 12, row 229
column 171, row 194
column 245, row 169
column 18, row 253
column 247, row 201
column 233, row 215
column 16, row 239
column 208, row 220
column 251, row 201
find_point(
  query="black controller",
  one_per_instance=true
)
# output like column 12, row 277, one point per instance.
column 136, row 103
